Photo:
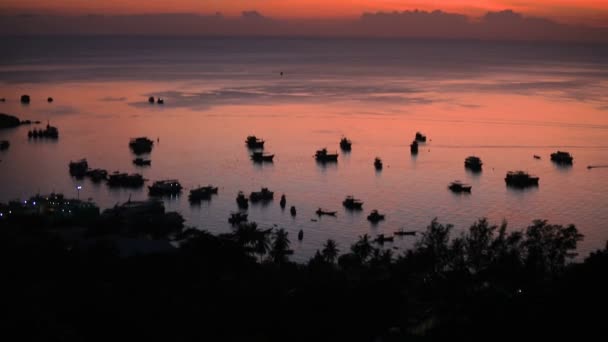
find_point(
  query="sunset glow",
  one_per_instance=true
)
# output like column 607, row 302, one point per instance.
column 593, row 12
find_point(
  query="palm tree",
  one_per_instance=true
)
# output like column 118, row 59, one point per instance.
column 280, row 247
column 261, row 244
column 330, row 251
column 362, row 248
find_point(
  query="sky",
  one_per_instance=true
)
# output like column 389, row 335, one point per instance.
column 588, row 12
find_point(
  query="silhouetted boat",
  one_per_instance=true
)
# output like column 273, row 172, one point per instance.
column 4, row 144
column 165, row 188
column 402, row 232
column 202, row 193
column 97, row 175
column 378, row 163
column 536, row 157
column 49, row 100
column 292, row 210
column 351, row 203
column 381, row 239
column 414, row 147
column 253, row 142
column 520, row 179
column 25, row 99
column 262, row 195
column 142, row 162
column 49, row 132
column 458, row 187
column 117, row 179
column 151, row 99
column 473, row 163
column 420, row 137
column 283, row 201
column 237, row 218
column 260, row 157
column 322, row 212
column 160, row 101
column 323, row 156
column 141, row 145
column 563, row 158
column 79, row 168
column 375, row 216
column 242, row 201
column 345, row 144
column 300, row 235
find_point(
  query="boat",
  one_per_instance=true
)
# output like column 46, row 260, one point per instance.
column 151, row 99
column 473, row 163
column 25, row 99
column 79, row 168
column 242, row 201
column 420, row 137
column 262, row 195
column 351, row 203
column 375, row 216
column 4, row 144
column 97, row 175
column 237, row 218
column 260, row 157
column 141, row 145
column 381, row 239
column 378, row 163
column 142, row 162
column 166, row 187
column 561, row 157
column 292, row 210
column 323, row 156
column 160, row 101
column 457, row 186
column 520, row 179
column 300, row 235
column 118, row 179
column 536, row 157
column 414, row 147
column 283, row 201
column 402, row 232
column 322, row 212
column 253, row 142
column 345, row 144
column 49, row 132
column 202, row 193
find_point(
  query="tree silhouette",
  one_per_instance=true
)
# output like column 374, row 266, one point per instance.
column 330, row 251
column 362, row 248
column 280, row 251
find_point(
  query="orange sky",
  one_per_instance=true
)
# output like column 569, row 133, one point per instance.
column 594, row 12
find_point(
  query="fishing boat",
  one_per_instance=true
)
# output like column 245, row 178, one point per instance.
column 242, row 201
column 520, row 179
column 321, row 212
column 79, row 168
column 352, row 203
column 50, row 132
column 141, row 145
column 166, row 187
column 97, row 175
column 402, row 232
column 263, row 195
column 323, row 156
column 118, row 179
column 142, row 162
column 414, row 147
column 253, row 142
column 345, row 144
column 378, row 163
column 458, row 187
column 375, row 216
column 473, row 163
column 420, row 137
column 292, row 210
column 237, row 218
column 300, row 235
column 381, row 239
column 260, row 157
column 562, row 158
column 283, row 201
column 202, row 193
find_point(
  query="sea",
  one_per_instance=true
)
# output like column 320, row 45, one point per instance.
column 501, row 101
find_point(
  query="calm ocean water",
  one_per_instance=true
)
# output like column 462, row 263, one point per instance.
column 503, row 102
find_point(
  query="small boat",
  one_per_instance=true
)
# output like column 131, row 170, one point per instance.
column 381, row 239
column 322, row 212
column 283, row 201
column 79, row 168
column 262, row 195
column 420, row 137
column 165, row 188
column 378, row 163
column 473, row 163
column 151, row 99
column 536, row 157
column 300, row 235
column 97, row 175
column 242, row 201
column 237, row 218
column 202, row 193
column 4, row 144
column 562, row 158
column 375, row 216
column 351, row 203
column 49, row 100
column 345, row 144
column 49, row 132
column 141, row 145
column 414, row 147
column 260, row 157
column 142, row 162
column 323, row 156
column 520, row 179
column 292, row 210
column 253, row 142
column 25, row 99
column 458, row 187
column 118, row 179
column 160, row 101
column 402, row 232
